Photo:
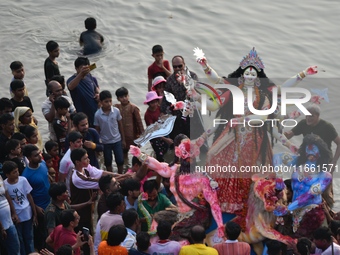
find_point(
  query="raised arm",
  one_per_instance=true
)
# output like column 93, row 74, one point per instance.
column 160, row 167
column 209, row 72
column 83, row 72
column 293, row 81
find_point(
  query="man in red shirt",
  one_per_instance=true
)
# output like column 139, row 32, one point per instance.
column 64, row 233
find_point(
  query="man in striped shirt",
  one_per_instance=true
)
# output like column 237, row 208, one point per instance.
column 232, row 246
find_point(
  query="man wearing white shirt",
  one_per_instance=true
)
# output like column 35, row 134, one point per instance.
column 323, row 241
column 66, row 165
column 55, row 90
column 83, row 183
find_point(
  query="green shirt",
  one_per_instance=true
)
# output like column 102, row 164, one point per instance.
column 52, row 214
column 162, row 203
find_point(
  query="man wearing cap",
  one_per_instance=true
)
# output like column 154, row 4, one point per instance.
column 178, row 88
column 160, row 67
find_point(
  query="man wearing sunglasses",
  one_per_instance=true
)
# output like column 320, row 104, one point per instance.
column 178, row 85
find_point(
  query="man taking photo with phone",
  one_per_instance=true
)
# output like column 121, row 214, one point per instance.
column 84, row 88
column 65, row 234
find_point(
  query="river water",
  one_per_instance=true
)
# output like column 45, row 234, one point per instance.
column 288, row 35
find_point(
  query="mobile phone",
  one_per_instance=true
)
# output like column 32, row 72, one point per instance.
column 86, row 233
column 92, row 66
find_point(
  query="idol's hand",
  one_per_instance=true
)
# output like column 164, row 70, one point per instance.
column 294, row 149
column 310, row 70
column 135, row 151
column 316, row 99
column 294, row 114
column 178, row 105
column 200, row 58
column 203, row 62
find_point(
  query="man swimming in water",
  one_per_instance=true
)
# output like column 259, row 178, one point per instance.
column 91, row 39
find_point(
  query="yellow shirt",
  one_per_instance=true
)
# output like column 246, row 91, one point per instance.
column 197, row 249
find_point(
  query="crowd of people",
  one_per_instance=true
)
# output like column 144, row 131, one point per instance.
column 49, row 190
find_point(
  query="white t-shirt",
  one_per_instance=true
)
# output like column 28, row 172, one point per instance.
column 328, row 251
column 66, row 167
column 81, row 181
column 18, row 192
column 5, row 211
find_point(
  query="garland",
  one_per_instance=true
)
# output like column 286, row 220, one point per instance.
column 145, row 213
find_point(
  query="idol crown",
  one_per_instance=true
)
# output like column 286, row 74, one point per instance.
column 252, row 59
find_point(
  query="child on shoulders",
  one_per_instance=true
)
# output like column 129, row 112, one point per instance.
column 62, row 123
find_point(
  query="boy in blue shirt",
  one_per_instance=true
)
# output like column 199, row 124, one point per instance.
column 108, row 122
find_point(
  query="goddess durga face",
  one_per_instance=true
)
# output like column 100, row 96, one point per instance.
column 249, row 75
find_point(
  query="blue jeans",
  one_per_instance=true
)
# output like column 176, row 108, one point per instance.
column 11, row 243
column 117, row 149
column 25, row 234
